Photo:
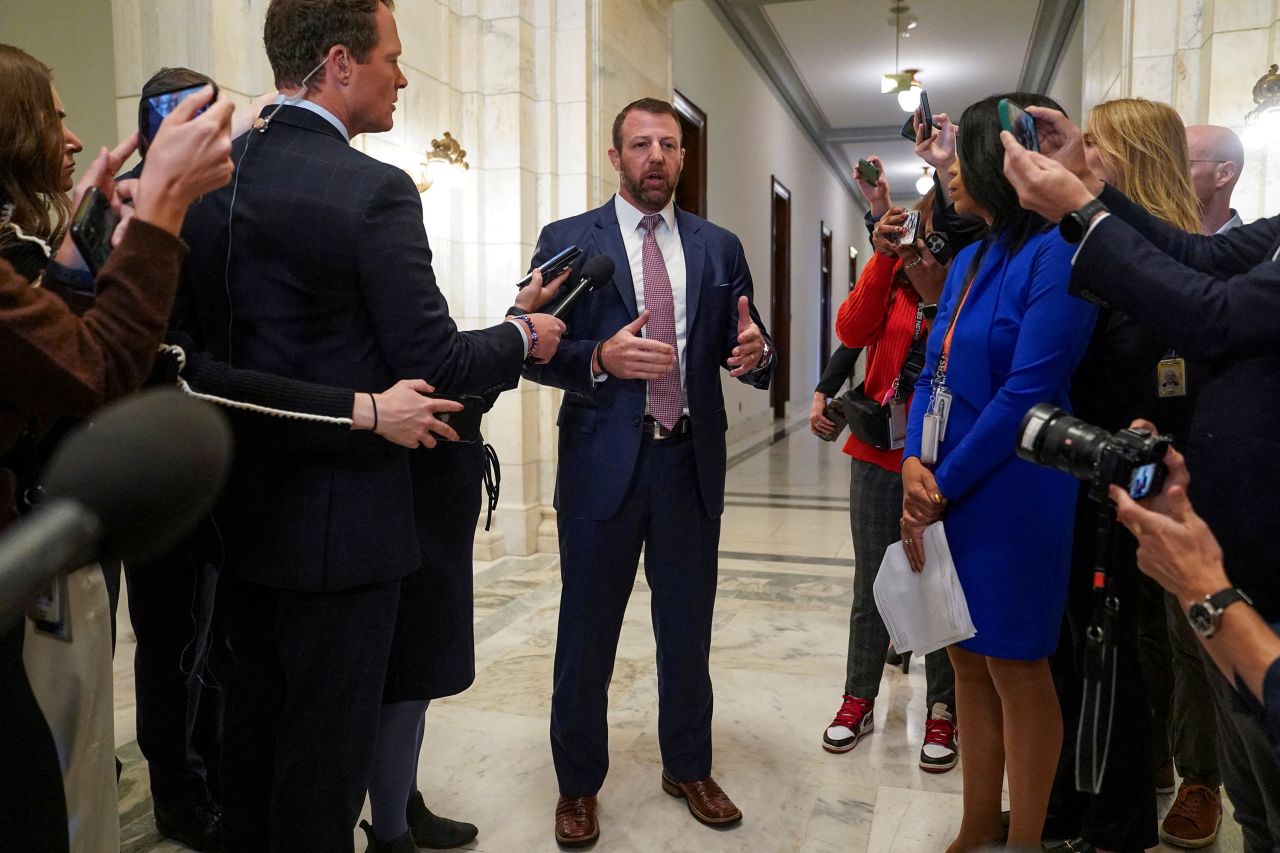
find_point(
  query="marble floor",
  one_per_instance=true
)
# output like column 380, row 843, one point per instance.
column 778, row 664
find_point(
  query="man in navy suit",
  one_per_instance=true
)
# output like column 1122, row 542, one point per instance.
column 642, row 461
column 314, row 265
column 1217, row 300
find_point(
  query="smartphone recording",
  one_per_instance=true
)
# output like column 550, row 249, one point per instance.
column 154, row 110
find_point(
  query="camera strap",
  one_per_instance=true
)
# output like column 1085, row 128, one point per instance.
column 913, row 364
column 492, row 481
column 1097, row 706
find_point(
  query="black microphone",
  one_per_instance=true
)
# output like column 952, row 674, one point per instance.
column 596, row 271
column 127, row 485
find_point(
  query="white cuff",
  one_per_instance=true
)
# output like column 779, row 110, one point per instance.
column 524, row 332
column 1092, row 225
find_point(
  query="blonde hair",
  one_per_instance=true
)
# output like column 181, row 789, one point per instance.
column 1144, row 144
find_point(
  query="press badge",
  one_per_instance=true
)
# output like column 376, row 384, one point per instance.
column 1171, row 377
column 929, row 439
column 897, row 425
column 49, row 609
column 941, row 407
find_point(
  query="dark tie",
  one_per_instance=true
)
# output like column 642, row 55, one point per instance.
column 664, row 392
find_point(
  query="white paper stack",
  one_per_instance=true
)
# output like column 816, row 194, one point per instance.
column 926, row 611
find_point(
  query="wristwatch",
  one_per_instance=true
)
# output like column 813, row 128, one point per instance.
column 1205, row 615
column 1076, row 223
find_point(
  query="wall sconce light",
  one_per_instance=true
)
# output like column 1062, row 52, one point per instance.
column 1266, row 95
column 445, row 159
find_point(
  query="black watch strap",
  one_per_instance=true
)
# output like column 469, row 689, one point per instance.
column 1076, row 223
column 1220, row 600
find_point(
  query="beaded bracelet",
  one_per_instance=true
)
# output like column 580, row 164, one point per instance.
column 533, row 332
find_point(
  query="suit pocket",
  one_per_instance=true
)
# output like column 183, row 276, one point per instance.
column 578, row 420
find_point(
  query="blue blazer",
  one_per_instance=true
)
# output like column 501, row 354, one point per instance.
column 600, row 423
column 322, row 272
column 1217, row 300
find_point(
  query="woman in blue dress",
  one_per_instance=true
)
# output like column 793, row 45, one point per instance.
column 1007, row 336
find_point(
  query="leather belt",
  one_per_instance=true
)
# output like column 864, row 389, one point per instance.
column 655, row 431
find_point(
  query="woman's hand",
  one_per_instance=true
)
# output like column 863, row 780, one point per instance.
column 887, row 231
column 939, row 149
column 877, row 194
column 913, row 543
column 819, row 423
column 926, row 275
column 922, row 502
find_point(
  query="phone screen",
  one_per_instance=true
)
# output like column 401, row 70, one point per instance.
column 1141, row 480
column 159, row 107
column 1018, row 122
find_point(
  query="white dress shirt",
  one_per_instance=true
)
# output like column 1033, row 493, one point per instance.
column 668, row 237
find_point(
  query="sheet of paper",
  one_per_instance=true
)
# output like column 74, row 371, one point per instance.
column 926, row 611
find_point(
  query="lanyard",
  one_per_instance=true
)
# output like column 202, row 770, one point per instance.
column 940, row 375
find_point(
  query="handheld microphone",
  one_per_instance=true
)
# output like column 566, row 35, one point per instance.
column 128, row 485
column 594, row 272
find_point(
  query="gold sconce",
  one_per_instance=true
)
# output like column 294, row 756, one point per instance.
column 446, row 158
column 1266, row 95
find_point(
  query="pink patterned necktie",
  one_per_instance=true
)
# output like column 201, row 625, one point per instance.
column 664, row 392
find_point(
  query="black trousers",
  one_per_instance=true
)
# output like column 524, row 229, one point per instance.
column 302, row 712
column 180, row 700
column 33, row 805
column 1122, row 816
column 661, row 512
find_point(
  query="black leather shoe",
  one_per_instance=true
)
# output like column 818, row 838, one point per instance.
column 198, row 827
column 435, row 832
column 403, row 844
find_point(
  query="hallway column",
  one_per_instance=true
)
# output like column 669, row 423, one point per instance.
column 1201, row 56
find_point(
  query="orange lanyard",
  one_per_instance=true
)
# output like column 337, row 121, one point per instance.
column 940, row 375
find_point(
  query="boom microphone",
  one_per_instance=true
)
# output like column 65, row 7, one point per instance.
column 128, row 485
column 595, row 272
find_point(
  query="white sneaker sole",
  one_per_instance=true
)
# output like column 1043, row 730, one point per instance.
column 830, row 747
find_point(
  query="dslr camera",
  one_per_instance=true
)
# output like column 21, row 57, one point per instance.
column 1130, row 458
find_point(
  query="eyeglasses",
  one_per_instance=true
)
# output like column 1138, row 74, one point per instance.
column 1209, row 161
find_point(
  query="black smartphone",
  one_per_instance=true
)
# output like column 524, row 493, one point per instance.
column 92, row 227
column 939, row 246
column 926, row 114
column 868, row 171
column 466, row 423
column 552, row 268
column 152, row 111
column 909, row 126
column 1020, row 123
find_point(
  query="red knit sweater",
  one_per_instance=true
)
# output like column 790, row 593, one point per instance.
column 880, row 317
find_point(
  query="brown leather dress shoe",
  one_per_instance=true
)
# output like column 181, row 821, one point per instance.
column 706, row 801
column 576, row 824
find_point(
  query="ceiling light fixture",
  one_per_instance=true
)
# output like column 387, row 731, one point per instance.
column 924, row 183
column 903, row 82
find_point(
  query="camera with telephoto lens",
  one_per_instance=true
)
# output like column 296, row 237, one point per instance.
column 1130, row 458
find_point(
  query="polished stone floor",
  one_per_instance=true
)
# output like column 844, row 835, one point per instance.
column 778, row 664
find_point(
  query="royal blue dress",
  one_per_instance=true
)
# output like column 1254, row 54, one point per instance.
column 1016, row 343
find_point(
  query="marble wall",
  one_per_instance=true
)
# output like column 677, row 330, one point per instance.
column 1201, row 56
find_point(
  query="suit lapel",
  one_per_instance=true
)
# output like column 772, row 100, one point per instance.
column 695, row 256
column 609, row 242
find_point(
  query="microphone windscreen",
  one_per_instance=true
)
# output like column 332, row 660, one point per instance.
column 149, row 467
column 599, row 269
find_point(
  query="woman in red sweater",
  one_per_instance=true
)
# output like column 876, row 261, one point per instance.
column 885, row 313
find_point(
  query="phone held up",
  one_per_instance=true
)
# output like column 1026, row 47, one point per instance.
column 92, row 227
column 1020, row 123
column 868, row 171
column 926, row 116
column 552, row 268
column 910, row 229
column 153, row 110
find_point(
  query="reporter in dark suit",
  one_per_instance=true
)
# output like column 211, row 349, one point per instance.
column 314, row 265
column 1217, row 299
column 642, row 460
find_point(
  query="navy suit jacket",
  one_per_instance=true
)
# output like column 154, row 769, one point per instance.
column 324, row 274
column 600, row 423
column 1217, row 300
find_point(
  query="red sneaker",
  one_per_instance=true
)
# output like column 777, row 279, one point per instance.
column 852, row 721
column 940, row 751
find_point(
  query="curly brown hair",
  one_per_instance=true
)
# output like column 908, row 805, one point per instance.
column 299, row 33
column 31, row 146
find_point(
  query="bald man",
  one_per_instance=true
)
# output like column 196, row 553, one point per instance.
column 1216, row 160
